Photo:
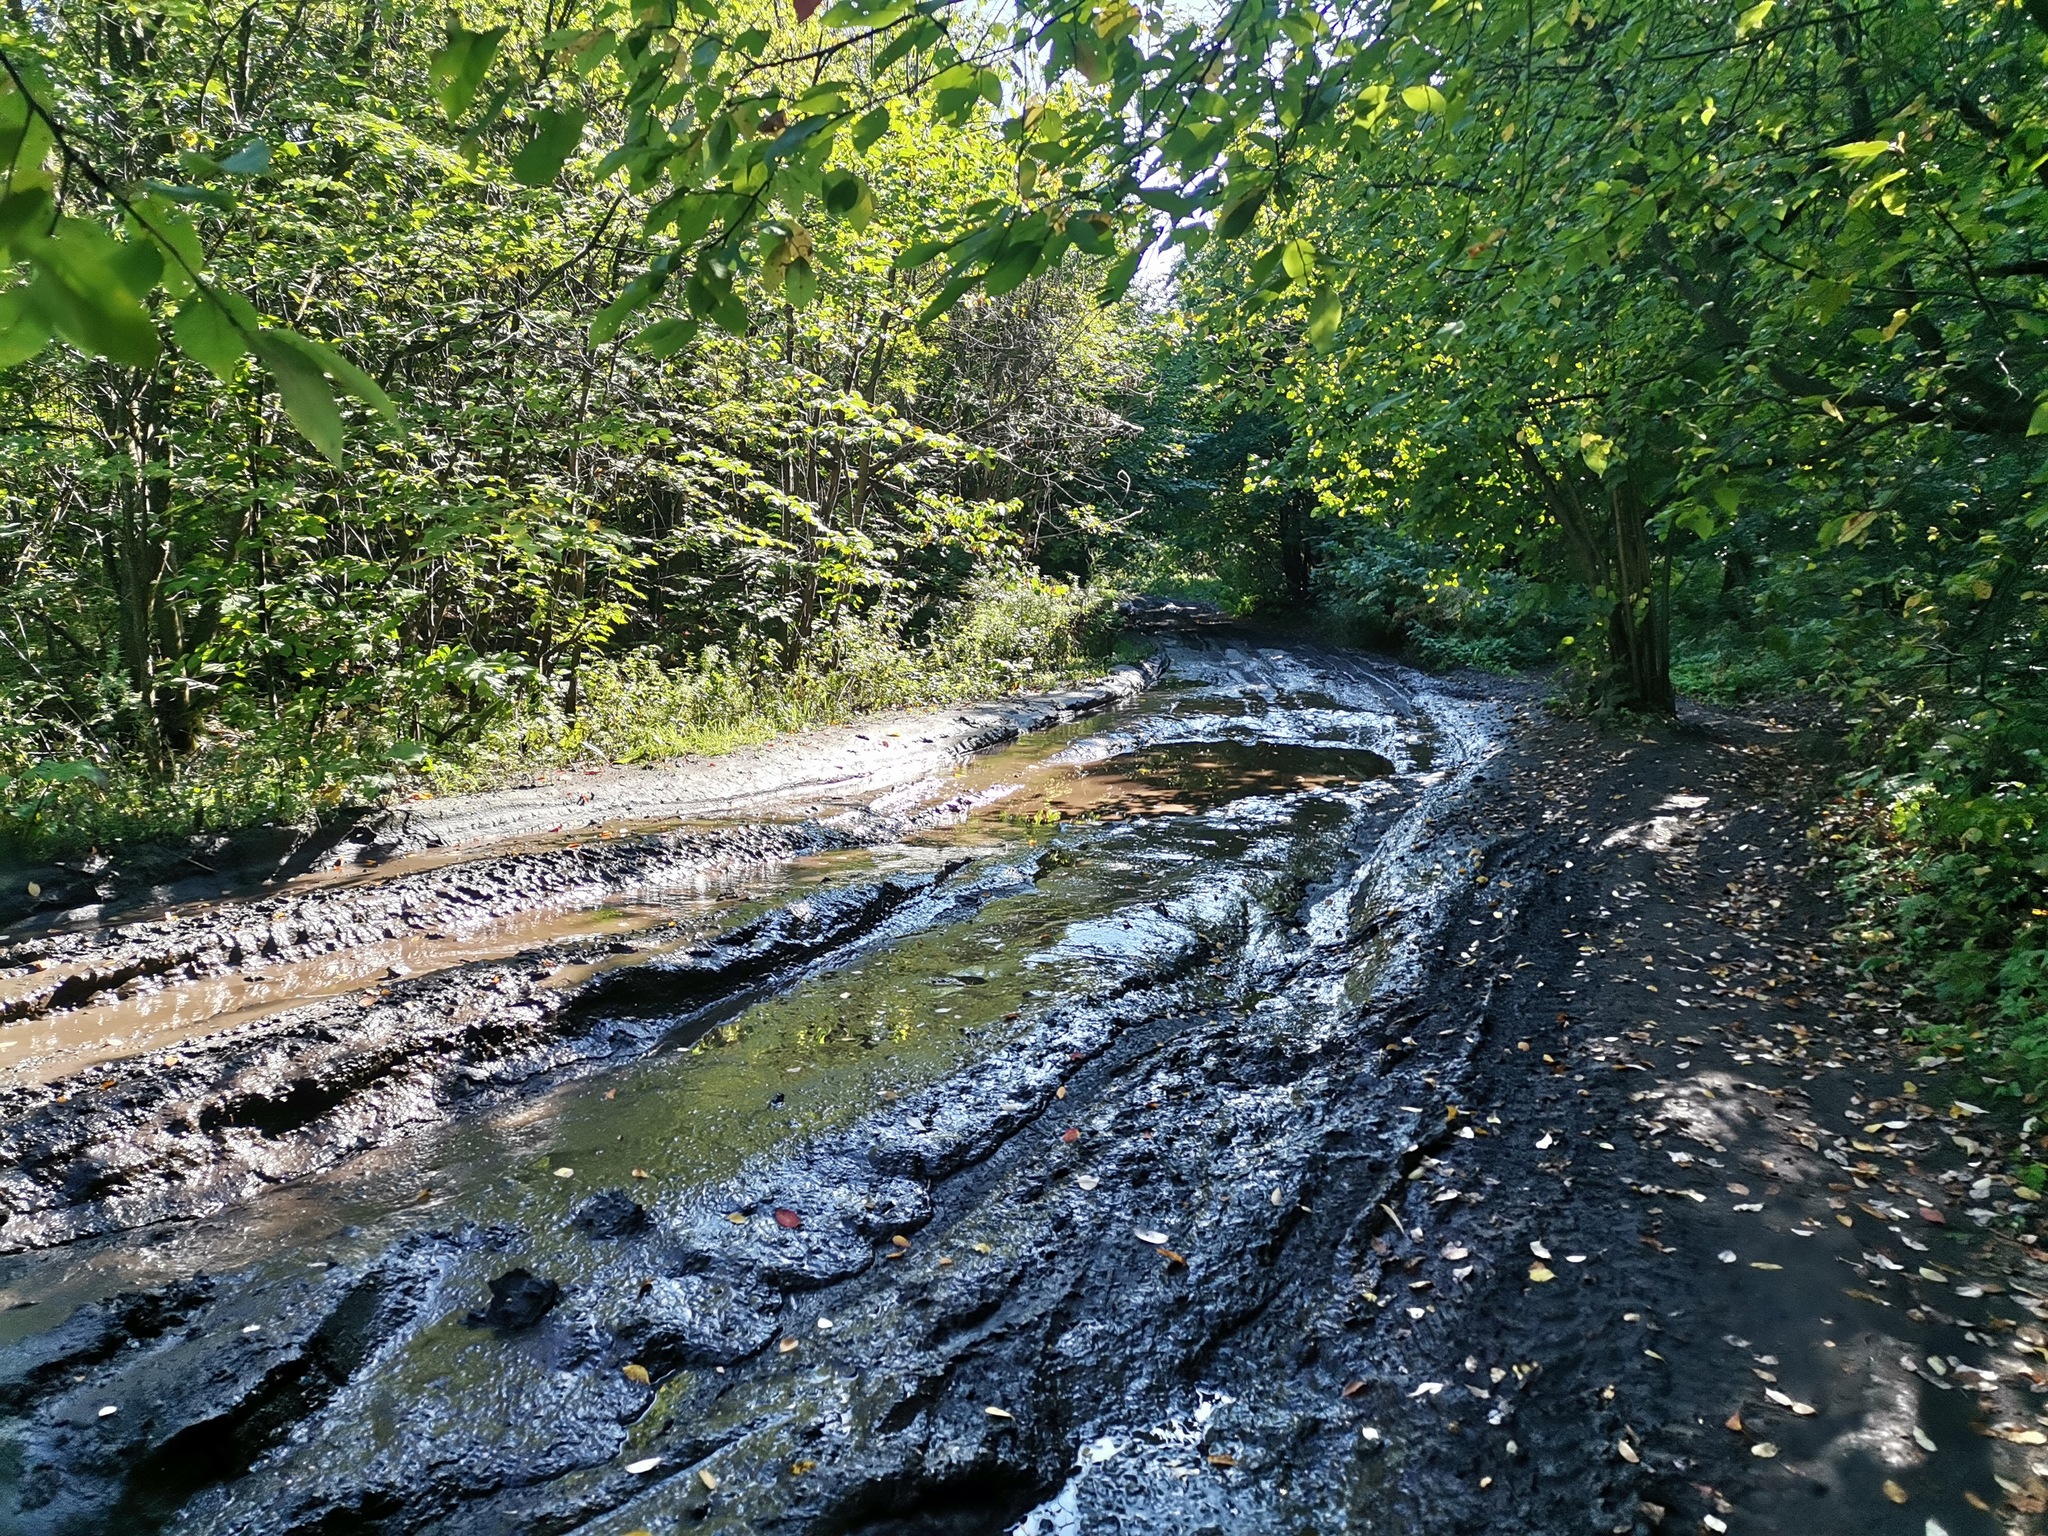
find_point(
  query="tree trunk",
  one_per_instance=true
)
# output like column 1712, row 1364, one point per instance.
column 1606, row 524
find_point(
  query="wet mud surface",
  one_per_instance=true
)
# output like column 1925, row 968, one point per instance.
column 1311, row 1097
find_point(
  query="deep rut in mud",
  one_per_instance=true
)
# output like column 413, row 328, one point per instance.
column 1136, row 1131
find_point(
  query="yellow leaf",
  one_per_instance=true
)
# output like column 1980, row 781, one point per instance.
column 705, row 1477
column 1541, row 1273
column 638, row 1372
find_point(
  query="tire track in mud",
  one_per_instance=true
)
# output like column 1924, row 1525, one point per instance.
column 971, row 1247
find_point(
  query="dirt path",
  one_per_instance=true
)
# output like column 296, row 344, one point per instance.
column 1319, row 1099
column 1765, row 1269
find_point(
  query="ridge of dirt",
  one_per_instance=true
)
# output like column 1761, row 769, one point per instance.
column 811, row 772
column 184, row 1133
column 823, row 768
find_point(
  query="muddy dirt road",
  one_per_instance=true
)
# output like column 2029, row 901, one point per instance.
column 1306, row 1097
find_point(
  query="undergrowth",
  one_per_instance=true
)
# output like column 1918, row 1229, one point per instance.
column 321, row 751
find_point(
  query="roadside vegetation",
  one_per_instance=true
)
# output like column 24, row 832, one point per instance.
column 403, row 393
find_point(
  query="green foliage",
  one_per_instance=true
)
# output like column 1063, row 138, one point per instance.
column 1011, row 631
column 231, row 624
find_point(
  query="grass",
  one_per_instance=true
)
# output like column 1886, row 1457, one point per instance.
column 320, row 753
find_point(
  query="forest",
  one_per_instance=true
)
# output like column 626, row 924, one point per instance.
column 399, row 398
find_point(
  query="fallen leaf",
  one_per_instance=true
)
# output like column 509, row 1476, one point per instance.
column 1541, row 1273
column 1060, row 1092
column 1734, row 1422
column 565, row 1173
column 1921, row 1438
column 1352, row 1388
column 1427, row 1389
column 710, row 1482
column 787, row 1219
column 1087, row 1180
column 638, row 1372
column 899, row 1241
column 786, row 1346
column 1218, row 1459
column 1539, row 1250
column 1627, row 1452
column 799, row 1468
column 1975, row 1500
column 646, row 1465
column 1928, row 1213
column 1726, row 1255
column 1763, row 1448
column 1145, row 1235
column 639, row 1173
column 737, row 1218
column 1172, row 1258
column 1759, row 1264
column 1070, row 1135
column 999, row 1413
column 1894, row 1492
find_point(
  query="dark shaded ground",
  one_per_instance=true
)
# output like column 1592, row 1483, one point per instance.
column 1491, row 1148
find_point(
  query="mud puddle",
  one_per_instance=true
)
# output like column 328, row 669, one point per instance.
column 989, row 1153
column 134, row 1019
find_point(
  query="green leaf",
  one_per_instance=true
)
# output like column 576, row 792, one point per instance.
column 1118, row 282
column 633, row 298
column 158, row 220
column 843, row 191
column 1299, row 258
column 1238, row 214
column 83, row 297
column 665, row 338
column 1012, row 267
column 307, row 396
column 23, row 329
column 556, row 134
column 868, row 131
column 25, row 142
column 921, row 254
column 1422, row 98
column 345, row 374
column 800, row 283
column 458, row 68
column 252, row 159
column 1861, row 151
column 1325, row 311
column 205, row 334
column 2038, row 423
column 25, row 214
column 1753, row 17
column 67, row 773
column 138, row 264
column 308, row 373
column 797, row 134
